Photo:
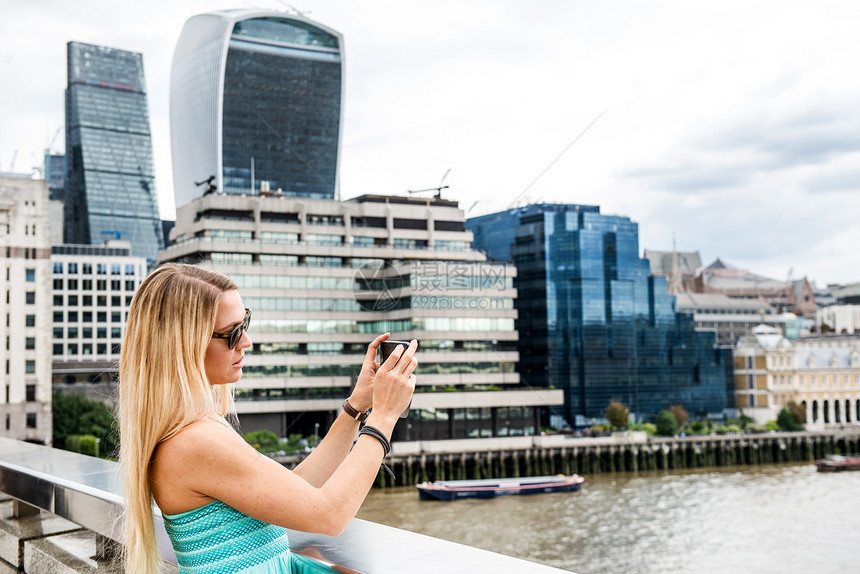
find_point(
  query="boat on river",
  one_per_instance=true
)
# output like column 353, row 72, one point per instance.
column 490, row 488
column 837, row 462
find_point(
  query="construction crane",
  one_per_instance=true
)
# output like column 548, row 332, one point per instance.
column 438, row 189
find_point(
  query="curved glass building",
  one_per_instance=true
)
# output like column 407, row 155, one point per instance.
column 256, row 96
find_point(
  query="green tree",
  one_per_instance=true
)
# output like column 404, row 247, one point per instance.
column 617, row 414
column 667, row 424
column 262, row 439
column 76, row 415
column 786, row 421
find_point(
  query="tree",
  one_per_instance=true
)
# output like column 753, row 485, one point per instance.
column 786, row 421
column 76, row 415
column 617, row 414
column 797, row 411
column 680, row 414
column 667, row 424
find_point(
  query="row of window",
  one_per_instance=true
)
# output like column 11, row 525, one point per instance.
column 73, row 300
column 86, row 333
column 87, row 316
column 101, row 284
column 72, row 268
column 86, row 349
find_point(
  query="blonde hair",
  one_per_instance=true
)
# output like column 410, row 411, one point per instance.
column 163, row 385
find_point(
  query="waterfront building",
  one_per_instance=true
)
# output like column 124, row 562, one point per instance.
column 821, row 373
column 595, row 323
column 25, row 248
column 92, row 290
column 838, row 319
column 325, row 277
column 729, row 318
column 792, row 295
column 846, row 294
column 110, row 183
column 256, row 95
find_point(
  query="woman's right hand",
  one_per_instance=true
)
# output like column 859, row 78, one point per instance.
column 394, row 382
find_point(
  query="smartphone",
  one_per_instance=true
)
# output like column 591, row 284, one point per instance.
column 385, row 350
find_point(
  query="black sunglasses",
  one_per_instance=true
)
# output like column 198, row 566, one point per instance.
column 236, row 332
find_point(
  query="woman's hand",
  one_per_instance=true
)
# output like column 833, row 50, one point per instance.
column 362, row 395
column 394, row 382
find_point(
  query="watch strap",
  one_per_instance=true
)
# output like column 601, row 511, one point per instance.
column 354, row 413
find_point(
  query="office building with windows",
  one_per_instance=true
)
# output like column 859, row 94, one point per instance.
column 92, row 290
column 819, row 373
column 256, row 95
column 594, row 322
column 110, row 183
column 25, row 248
column 323, row 278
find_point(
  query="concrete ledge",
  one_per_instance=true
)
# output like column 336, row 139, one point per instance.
column 16, row 532
column 71, row 553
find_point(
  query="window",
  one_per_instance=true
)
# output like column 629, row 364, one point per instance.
column 87, row 268
column 101, row 285
column 101, row 268
column 116, row 316
column 30, row 343
column 31, row 420
column 30, row 366
column 73, row 300
column 58, row 300
column 58, row 284
column 30, row 274
column 116, row 301
column 31, row 297
column 115, row 269
column 72, row 284
column 58, row 267
column 31, row 393
column 58, row 349
column 73, row 316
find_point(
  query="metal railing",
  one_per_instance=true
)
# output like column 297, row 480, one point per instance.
column 88, row 492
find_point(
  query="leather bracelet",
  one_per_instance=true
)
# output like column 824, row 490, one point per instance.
column 377, row 434
column 354, row 413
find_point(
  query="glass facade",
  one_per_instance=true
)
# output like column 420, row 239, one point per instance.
column 256, row 97
column 592, row 321
column 281, row 119
column 110, row 183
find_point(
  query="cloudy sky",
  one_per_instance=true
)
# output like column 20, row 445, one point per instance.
column 731, row 126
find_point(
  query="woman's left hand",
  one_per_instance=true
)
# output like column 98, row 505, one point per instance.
column 362, row 394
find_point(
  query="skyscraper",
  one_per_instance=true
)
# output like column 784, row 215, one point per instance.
column 255, row 96
column 110, row 183
column 592, row 321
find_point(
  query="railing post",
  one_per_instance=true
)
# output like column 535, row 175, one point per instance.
column 23, row 510
column 107, row 549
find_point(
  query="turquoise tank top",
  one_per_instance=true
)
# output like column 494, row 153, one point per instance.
column 218, row 539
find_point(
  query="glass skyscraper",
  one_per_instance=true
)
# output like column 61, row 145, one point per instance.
column 593, row 322
column 256, row 96
column 110, row 183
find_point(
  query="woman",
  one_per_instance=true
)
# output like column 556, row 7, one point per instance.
column 223, row 503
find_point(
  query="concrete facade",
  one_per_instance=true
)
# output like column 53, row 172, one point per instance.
column 25, row 248
column 324, row 277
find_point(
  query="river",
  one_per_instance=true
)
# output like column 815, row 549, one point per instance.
column 769, row 519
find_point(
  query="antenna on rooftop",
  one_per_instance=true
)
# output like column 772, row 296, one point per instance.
column 438, row 189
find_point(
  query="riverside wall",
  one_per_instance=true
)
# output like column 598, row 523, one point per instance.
column 414, row 462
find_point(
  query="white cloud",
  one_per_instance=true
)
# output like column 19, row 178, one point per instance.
column 730, row 124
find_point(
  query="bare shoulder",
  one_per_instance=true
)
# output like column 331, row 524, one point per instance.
column 184, row 463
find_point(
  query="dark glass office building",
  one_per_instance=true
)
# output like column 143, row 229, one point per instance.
column 593, row 322
column 256, row 96
column 110, row 181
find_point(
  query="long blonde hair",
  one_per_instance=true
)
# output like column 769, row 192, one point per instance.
column 163, row 385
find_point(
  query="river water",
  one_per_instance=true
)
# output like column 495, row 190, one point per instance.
column 775, row 519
